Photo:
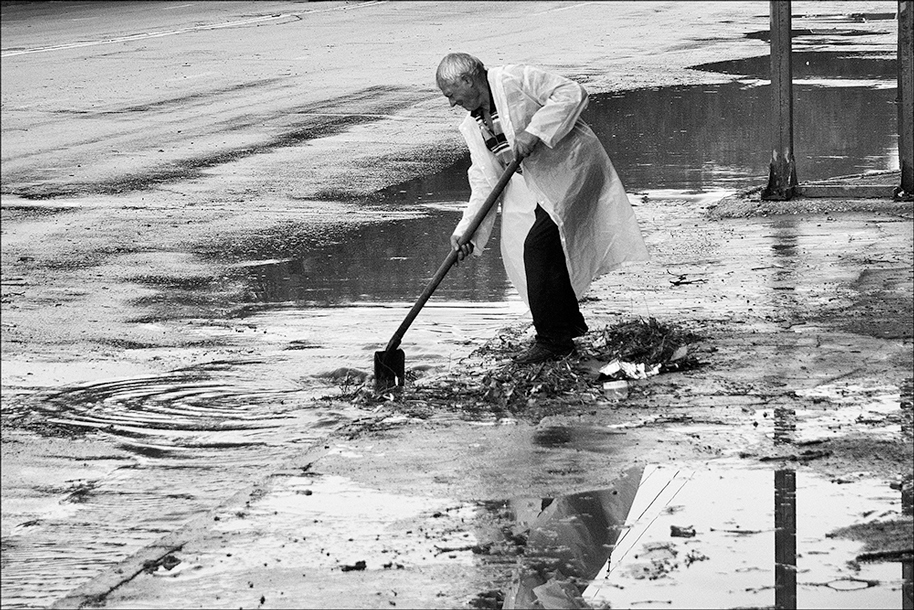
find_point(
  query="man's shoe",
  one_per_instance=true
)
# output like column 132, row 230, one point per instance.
column 540, row 352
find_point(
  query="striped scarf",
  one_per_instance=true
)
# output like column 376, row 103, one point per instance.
column 495, row 139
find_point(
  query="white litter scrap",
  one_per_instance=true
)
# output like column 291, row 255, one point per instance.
column 629, row 370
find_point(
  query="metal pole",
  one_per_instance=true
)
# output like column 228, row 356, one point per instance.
column 906, row 99
column 782, row 173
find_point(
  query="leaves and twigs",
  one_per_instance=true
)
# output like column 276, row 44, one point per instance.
column 641, row 341
column 489, row 383
column 641, row 348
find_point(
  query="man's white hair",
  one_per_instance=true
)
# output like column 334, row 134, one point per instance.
column 457, row 65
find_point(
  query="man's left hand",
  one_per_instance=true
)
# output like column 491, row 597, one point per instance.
column 524, row 143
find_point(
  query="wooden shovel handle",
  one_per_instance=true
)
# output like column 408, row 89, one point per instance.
column 394, row 342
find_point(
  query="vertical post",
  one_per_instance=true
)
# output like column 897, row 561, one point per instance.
column 906, row 98
column 782, row 174
column 785, row 539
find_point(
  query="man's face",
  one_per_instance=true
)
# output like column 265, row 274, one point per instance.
column 462, row 93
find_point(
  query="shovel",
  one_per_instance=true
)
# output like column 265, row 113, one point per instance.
column 390, row 365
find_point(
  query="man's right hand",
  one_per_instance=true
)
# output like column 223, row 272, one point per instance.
column 524, row 143
column 462, row 251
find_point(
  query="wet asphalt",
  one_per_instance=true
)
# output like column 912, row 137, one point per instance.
column 806, row 357
column 416, row 512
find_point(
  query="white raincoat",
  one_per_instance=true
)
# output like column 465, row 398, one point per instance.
column 569, row 174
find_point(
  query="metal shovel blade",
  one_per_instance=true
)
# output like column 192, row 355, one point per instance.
column 389, row 369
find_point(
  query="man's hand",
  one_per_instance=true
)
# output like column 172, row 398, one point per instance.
column 524, row 143
column 462, row 251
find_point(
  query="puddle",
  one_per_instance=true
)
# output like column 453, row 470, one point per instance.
column 707, row 538
column 806, row 65
column 852, row 17
column 713, row 539
column 183, row 412
column 704, row 137
column 174, row 446
column 694, row 138
column 874, row 411
column 403, row 257
column 661, row 536
column 688, row 139
column 180, row 443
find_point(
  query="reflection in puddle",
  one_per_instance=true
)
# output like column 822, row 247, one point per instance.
column 708, row 539
column 807, row 65
column 568, row 540
column 874, row 411
column 700, row 137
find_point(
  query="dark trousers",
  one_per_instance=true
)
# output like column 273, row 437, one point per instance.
column 556, row 315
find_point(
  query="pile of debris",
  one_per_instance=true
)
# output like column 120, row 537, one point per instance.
column 602, row 368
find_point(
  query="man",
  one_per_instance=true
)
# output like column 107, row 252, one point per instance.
column 565, row 216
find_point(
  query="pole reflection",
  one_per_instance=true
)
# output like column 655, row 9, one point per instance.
column 785, row 539
column 785, row 425
column 907, row 494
